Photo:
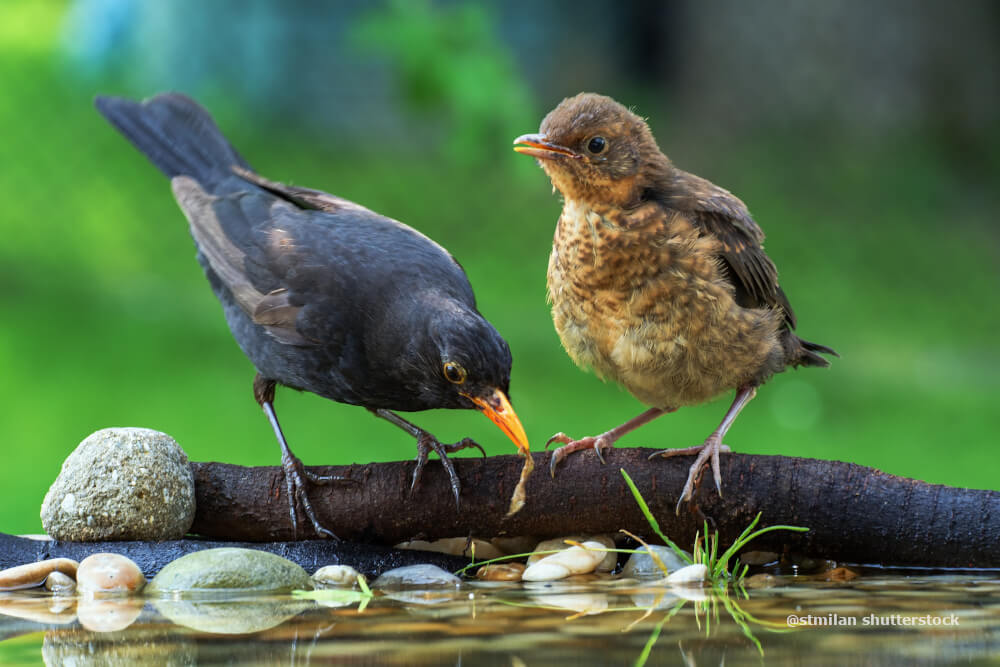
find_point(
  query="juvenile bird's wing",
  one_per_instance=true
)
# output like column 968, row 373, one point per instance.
column 310, row 276
column 726, row 217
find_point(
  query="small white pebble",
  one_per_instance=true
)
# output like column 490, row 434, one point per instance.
column 575, row 560
column 689, row 574
column 543, row 570
column 60, row 584
column 336, row 575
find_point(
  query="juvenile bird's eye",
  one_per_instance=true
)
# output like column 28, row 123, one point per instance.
column 454, row 373
column 597, row 145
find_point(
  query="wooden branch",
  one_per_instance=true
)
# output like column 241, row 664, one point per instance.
column 856, row 514
column 370, row 560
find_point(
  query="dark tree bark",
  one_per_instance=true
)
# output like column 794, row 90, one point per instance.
column 855, row 514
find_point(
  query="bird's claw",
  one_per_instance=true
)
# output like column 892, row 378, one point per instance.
column 708, row 451
column 427, row 442
column 560, row 437
column 296, row 477
column 597, row 443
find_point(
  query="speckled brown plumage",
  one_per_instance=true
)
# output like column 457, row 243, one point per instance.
column 657, row 278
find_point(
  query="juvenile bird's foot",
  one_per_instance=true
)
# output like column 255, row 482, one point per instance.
column 603, row 441
column 427, row 442
column 710, row 449
column 569, row 445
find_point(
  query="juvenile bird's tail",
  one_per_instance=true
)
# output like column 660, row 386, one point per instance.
column 176, row 134
column 800, row 352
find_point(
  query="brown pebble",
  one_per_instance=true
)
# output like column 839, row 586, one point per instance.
column 840, row 574
column 34, row 574
column 109, row 574
column 762, row 580
column 501, row 572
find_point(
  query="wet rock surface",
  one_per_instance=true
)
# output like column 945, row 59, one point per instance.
column 642, row 566
column 229, row 570
column 416, row 576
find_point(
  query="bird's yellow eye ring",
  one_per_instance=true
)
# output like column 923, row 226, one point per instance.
column 453, row 373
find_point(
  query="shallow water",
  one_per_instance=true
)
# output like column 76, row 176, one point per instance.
column 870, row 620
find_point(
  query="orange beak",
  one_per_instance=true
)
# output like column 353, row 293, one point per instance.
column 498, row 409
column 537, row 145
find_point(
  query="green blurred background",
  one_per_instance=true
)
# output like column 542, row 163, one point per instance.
column 863, row 137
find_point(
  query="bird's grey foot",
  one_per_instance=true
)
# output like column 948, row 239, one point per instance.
column 569, row 445
column 297, row 479
column 709, row 450
column 425, row 444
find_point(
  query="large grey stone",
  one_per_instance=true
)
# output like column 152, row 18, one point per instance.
column 229, row 570
column 121, row 484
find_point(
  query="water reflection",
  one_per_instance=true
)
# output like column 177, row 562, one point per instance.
column 588, row 622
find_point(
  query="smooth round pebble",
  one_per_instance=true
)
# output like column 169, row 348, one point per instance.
column 60, row 584
column 416, row 576
column 109, row 574
column 229, row 569
column 641, row 565
column 689, row 574
column 574, row 560
column 31, row 575
column 608, row 563
column 121, row 484
column 333, row 576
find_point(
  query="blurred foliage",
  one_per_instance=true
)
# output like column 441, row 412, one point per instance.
column 887, row 248
column 450, row 66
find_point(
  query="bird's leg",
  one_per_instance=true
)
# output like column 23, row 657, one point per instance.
column 427, row 442
column 599, row 442
column 295, row 473
column 711, row 448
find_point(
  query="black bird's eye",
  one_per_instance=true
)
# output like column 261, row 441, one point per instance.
column 597, row 145
column 454, row 373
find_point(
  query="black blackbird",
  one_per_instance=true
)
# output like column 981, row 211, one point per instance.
column 658, row 278
column 324, row 295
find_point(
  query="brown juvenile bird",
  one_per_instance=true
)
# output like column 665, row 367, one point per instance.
column 657, row 278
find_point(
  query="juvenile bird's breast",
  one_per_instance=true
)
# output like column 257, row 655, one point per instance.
column 639, row 297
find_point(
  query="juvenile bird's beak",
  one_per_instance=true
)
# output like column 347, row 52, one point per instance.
column 498, row 409
column 537, row 145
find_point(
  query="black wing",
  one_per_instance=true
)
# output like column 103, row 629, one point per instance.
column 299, row 272
column 723, row 215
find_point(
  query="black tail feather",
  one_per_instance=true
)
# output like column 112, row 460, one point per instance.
column 176, row 134
column 800, row 352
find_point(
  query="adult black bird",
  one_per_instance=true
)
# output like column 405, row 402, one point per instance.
column 324, row 295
